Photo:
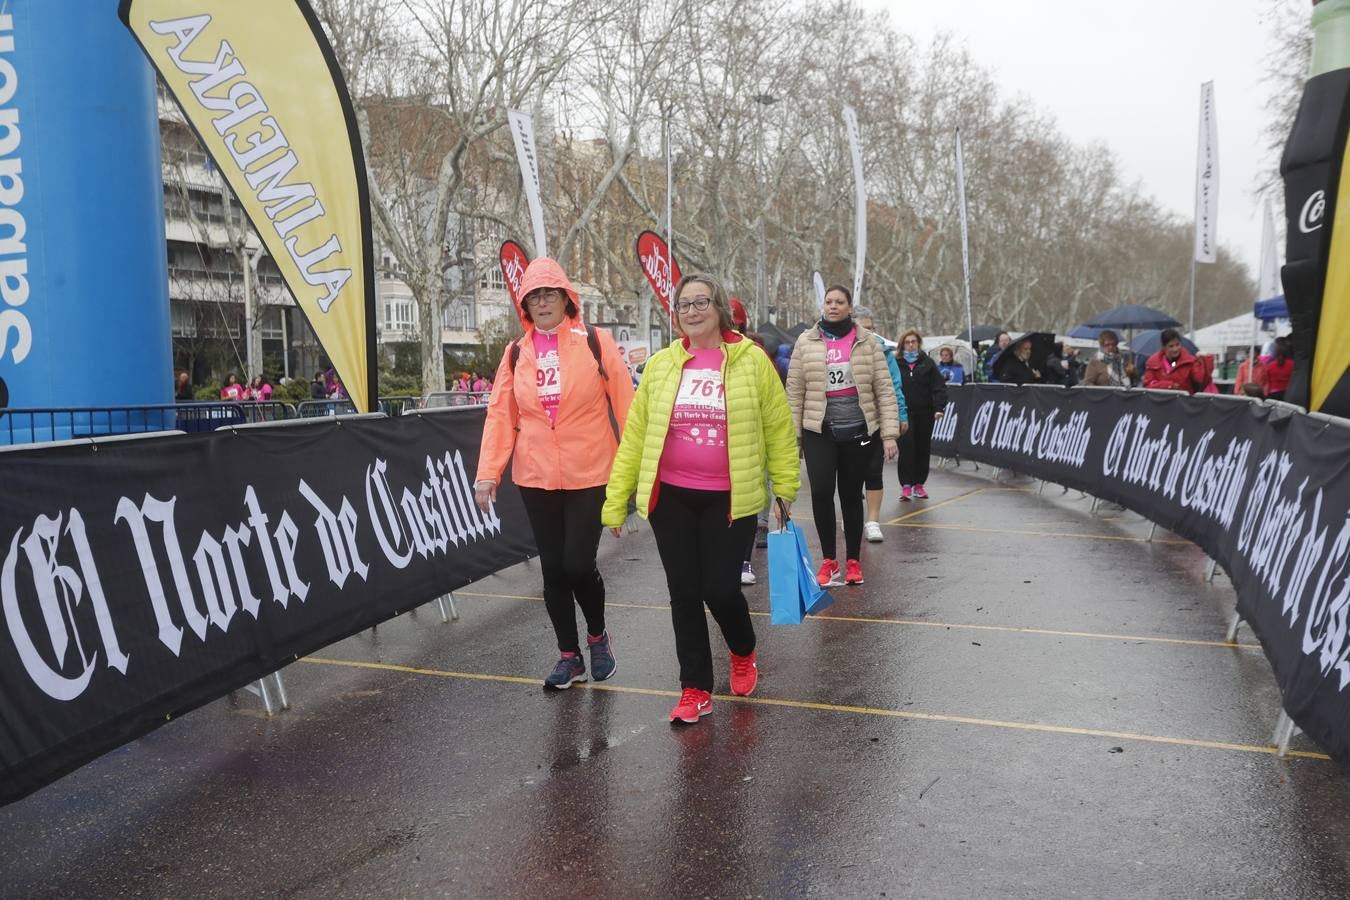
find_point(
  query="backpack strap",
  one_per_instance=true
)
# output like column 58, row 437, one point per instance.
column 593, row 341
column 515, row 355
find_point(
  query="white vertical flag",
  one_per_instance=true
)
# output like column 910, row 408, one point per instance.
column 819, row 282
column 522, row 132
column 1268, row 285
column 670, row 229
column 1207, row 180
column 965, row 233
column 860, row 197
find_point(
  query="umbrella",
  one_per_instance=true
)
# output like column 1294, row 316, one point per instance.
column 796, row 331
column 771, row 332
column 961, row 354
column 772, row 335
column 1086, row 332
column 1130, row 316
column 982, row 333
column 1042, row 345
column 1273, row 308
column 1147, row 343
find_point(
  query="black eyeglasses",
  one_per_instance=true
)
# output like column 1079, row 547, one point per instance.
column 698, row 303
column 543, row 297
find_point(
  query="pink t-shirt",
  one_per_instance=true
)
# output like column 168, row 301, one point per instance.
column 839, row 365
column 547, row 374
column 695, row 455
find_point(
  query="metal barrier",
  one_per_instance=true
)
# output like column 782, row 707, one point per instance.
column 304, row 422
column 39, row 425
column 397, row 406
column 455, row 398
column 309, row 409
column 91, row 442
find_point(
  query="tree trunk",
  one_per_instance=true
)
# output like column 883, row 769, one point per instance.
column 429, row 331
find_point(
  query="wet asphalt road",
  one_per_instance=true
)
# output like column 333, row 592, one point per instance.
column 1025, row 699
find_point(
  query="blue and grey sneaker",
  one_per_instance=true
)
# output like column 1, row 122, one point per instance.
column 602, row 657
column 568, row 671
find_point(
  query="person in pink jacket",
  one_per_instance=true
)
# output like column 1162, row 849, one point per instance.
column 233, row 390
column 559, row 403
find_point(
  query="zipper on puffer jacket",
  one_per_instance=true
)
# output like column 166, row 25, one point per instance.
column 726, row 405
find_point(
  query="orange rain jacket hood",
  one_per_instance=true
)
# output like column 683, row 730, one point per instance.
column 578, row 449
column 544, row 273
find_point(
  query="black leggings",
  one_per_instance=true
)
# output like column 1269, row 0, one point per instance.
column 830, row 463
column 566, row 527
column 916, row 448
column 701, row 552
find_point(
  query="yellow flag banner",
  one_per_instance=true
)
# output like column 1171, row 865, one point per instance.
column 1331, row 358
column 258, row 82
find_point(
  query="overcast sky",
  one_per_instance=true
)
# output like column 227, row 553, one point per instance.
column 1128, row 74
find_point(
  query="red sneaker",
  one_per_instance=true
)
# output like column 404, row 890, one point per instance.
column 853, row 573
column 693, row 705
column 829, row 571
column 744, row 674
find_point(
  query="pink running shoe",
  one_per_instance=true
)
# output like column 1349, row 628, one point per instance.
column 693, row 705
column 744, row 674
column 853, row 572
column 904, row 493
column 829, row 571
column 920, row 493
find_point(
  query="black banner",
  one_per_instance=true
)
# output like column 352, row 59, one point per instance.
column 142, row 579
column 1262, row 489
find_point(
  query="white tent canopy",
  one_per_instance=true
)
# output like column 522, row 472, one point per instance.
column 1239, row 331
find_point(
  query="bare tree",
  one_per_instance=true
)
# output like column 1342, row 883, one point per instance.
column 430, row 105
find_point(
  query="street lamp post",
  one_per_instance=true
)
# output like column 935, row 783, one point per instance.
column 761, row 280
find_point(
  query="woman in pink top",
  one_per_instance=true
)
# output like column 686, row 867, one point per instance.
column 233, row 390
column 260, row 390
column 709, row 420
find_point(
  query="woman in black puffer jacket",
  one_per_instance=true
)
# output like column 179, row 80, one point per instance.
column 926, row 396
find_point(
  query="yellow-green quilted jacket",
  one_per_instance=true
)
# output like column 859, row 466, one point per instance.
column 760, row 436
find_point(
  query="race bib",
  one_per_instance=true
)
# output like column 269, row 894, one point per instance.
column 700, row 415
column 548, row 381
column 701, row 389
column 839, row 367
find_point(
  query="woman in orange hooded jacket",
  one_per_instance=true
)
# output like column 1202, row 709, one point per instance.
column 559, row 403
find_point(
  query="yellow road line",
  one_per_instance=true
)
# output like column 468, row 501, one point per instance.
column 1066, row 534
column 925, row 509
column 1011, row 629
column 832, row 707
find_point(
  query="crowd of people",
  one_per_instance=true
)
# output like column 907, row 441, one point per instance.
column 325, row 385
column 707, row 441
column 1173, row 367
column 705, row 447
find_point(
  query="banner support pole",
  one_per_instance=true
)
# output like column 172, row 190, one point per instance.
column 1190, row 322
column 965, row 240
column 670, row 226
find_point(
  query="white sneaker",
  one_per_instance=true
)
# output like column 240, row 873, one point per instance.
column 873, row 532
column 747, row 574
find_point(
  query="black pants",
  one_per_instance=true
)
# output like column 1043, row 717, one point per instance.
column 566, row 527
column 916, row 447
column 701, row 552
column 845, row 464
column 876, row 462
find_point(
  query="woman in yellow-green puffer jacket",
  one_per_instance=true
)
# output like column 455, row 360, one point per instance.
column 709, row 419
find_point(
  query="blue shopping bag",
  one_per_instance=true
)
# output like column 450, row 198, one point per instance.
column 785, row 583
column 814, row 597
